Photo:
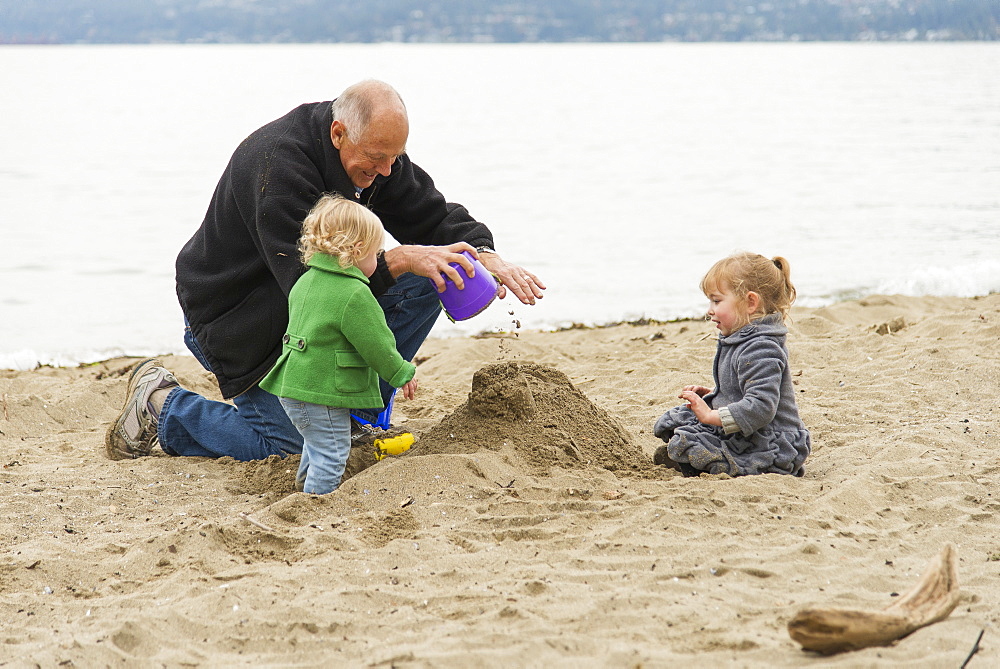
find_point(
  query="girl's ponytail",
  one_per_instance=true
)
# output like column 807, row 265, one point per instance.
column 786, row 276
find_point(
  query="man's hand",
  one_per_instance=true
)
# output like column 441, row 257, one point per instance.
column 432, row 262
column 525, row 285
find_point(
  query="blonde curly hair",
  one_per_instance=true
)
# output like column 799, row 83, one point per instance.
column 744, row 272
column 338, row 227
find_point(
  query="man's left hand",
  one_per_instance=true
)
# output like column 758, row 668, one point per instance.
column 526, row 286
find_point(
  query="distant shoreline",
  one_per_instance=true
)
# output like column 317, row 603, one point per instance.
column 839, row 40
column 475, row 22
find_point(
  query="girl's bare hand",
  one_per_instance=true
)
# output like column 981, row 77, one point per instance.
column 410, row 389
column 704, row 413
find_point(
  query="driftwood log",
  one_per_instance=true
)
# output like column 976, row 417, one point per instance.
column 934, row 597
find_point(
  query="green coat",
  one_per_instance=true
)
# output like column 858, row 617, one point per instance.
column 337, row 343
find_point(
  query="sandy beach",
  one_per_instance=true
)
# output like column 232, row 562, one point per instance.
column 527, row 527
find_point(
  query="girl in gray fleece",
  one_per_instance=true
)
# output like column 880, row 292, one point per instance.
column 748, row 424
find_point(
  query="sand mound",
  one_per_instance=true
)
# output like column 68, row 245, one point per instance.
column 538, row 413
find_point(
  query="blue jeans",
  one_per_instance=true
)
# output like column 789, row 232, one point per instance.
column 257, row 426
column 327, row 443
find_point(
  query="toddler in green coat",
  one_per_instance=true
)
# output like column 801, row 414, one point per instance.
column 337, row 343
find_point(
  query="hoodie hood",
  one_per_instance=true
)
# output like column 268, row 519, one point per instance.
column 771, row 325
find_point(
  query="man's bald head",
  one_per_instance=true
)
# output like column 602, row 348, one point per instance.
column 370, row 129
column 366, row 102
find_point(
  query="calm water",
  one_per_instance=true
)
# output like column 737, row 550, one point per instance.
column 618, row 173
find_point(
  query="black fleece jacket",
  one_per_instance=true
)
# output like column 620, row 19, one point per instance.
column 234, row 274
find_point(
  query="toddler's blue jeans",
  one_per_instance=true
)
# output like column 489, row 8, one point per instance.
column 326, row 433
column 255, row 425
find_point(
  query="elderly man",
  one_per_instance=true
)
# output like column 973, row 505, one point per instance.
column 234, row 275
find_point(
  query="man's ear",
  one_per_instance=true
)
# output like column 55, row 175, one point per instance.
column 337, row 133
column 753, row 302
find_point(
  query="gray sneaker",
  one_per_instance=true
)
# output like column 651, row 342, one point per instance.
column 133, row 434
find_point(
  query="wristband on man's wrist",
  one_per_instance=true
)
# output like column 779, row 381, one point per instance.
column 485, row 249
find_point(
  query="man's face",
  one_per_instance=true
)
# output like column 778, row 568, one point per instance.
column 375, row 152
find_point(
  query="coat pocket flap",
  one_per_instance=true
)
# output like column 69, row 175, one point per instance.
column 350, row 359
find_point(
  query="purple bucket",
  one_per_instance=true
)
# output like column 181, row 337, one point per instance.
column 478, row 293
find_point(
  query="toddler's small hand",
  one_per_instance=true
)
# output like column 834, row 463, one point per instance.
column 703, row 412
column 409, row 390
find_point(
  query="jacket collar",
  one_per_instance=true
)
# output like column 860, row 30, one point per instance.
column 335, row 179
column 770, row 325
column 329, row 263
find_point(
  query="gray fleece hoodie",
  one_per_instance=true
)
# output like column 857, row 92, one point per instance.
column 761, row 429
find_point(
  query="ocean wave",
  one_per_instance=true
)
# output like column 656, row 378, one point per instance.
column 980, row 278
column 970, row 280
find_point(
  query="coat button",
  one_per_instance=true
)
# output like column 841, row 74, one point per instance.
column 301, row 344
column 285, row 339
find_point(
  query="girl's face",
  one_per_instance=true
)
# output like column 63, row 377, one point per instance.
column 726, row 310
column 367, row 263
